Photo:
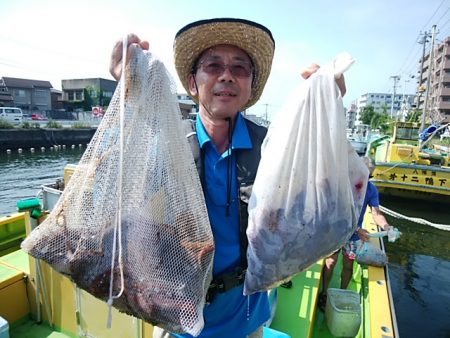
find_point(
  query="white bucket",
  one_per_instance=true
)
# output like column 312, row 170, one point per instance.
column 343, row 312
column 4, row 328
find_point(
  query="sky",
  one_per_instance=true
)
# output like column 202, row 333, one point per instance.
column 52, row 40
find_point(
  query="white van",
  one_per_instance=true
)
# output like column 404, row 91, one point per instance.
column 11, row 114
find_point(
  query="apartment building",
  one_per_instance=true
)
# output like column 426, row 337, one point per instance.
column 382, row 103
column 81, row 93
column 438, row 104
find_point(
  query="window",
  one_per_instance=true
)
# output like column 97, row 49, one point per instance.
column 93, row 93
column 40, row 93
column 19, row 92
column 75, row 96
column 107, row 94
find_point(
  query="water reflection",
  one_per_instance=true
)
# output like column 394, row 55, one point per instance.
column 419, row 266
column 419, row 262
column 21, row 175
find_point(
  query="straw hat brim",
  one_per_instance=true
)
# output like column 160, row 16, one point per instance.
column 256, row 40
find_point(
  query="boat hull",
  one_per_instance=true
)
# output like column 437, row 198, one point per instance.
column 359, row 146
column 420, row 182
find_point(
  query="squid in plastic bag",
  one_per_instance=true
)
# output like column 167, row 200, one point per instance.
column 310, row 184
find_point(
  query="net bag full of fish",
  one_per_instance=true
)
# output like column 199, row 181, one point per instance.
column 133, row 214
column 310, row 184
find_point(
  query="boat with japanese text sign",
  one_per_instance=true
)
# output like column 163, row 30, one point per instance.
column 404, row 167
column 38, row 302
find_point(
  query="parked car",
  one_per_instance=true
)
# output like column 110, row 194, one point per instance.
column 11, row 114
column 38, row 117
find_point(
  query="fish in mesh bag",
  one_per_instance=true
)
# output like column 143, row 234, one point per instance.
column 310, row 184
column 132, row 220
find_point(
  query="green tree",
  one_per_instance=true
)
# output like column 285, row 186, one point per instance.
column 414, row 115
column 384, row 109
column 376, row 120
column 92, row 97
column 382, row 122
column 367, row 114
column 87, row 103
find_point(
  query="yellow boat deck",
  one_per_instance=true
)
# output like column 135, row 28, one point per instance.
column 66, row 311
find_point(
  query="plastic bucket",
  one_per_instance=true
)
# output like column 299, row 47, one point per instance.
column 4, row 328
column 343, row 312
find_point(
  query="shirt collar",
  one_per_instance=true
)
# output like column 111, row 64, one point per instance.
column 241, row 138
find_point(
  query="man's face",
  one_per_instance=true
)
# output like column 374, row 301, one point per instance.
column 224, row 81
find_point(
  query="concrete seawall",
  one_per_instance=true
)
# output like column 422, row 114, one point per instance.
column 43, row 137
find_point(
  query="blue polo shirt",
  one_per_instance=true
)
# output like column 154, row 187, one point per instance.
column 231, row 314
column 372, row 199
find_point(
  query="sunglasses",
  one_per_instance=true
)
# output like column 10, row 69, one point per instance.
column 240, row 69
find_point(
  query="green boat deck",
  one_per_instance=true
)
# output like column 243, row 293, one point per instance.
column 296, row 312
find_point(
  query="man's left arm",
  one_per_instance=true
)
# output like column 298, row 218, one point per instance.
column 379, row 218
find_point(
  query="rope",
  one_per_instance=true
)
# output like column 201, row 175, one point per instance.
column 117, row 239
column 415, row 219
column 395, row 165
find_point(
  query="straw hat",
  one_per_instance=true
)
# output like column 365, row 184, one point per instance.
column 256, row 40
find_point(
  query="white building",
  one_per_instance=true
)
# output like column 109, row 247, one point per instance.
column 382, row 102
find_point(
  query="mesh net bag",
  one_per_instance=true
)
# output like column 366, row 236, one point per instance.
column 145, row 177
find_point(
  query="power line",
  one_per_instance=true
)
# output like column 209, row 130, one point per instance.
column 429, row 20
column 448, row 9
column 409, row 54
column 405, row 64
column 445, row 24
column 412, row 67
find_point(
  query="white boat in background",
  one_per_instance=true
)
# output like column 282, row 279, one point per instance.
column 359, row 138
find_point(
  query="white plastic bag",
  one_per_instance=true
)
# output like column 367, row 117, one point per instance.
column 310, row 184
column 392, row 234
column 367, row 253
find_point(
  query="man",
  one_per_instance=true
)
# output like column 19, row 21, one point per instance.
column 224, row 64
column 371, row 199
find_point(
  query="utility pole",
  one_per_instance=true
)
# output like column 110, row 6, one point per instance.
column 396, row 78
column 423, row 42
column 431, row 62
column 405, row 103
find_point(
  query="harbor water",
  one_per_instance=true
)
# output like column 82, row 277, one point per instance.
column 419, row 263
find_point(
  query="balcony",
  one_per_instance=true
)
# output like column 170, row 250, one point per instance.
column 445, row 78
column 443, row 105
column 444, row 92
column 447, row 64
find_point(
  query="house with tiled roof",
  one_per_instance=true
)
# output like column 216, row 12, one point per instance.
column 29, row 95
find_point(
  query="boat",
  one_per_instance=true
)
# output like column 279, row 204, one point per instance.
column 38, row 302
column 407, row 167
column 359, row 138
